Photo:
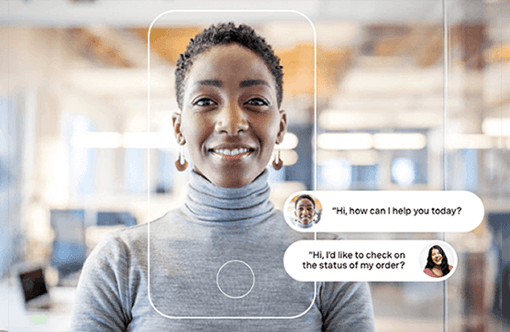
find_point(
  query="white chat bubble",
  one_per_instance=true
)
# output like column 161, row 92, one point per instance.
column 385, row 211
column 363, row 260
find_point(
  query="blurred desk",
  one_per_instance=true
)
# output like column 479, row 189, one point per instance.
column 14, row 317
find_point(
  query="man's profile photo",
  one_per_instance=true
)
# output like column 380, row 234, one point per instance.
column 307, row 211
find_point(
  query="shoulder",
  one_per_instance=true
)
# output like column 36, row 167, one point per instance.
column 346, row 306
column 113, row 273
column 429, row 272
column 135, row 238
column 126, row 247
column 344, row 291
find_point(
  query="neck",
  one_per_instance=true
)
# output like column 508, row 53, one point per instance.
column 304, row 225
column 208, row 202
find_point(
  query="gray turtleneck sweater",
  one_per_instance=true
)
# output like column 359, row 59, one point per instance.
column 205, row 266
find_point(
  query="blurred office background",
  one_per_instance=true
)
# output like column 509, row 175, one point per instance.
column 74, row 119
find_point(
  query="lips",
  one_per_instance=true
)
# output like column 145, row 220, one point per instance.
column 233, row 152
column 305, row 219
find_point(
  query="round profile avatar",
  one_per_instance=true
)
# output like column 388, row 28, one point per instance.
column 437, row 263
column 307, row 211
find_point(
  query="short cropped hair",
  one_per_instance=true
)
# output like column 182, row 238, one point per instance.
column 221, row 34
column 305, row 196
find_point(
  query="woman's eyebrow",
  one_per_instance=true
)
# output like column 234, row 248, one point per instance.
column 210, row 82
column 246, row 83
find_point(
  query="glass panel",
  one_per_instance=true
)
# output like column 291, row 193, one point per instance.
column 392, row 114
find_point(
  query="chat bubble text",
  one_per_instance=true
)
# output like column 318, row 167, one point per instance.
column 362, row 260
column 389, row 211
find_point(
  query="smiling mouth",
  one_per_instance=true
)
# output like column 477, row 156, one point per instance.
column 232, row 154
column 305, row 221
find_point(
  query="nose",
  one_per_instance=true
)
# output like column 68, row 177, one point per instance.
column 232, row 119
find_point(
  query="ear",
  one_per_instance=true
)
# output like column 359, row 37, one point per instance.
column 177, row 124
column 283, row 127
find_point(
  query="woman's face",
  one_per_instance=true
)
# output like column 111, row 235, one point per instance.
column 230, row 118
column 305, row 212
column 437, row 258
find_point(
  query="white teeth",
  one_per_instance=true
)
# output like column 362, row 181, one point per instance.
column 231, row 152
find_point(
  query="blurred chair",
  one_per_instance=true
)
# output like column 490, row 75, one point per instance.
column 69, row 248
column 107, row 222
column 115, row 218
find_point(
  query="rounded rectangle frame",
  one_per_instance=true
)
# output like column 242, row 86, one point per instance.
column 148, row 176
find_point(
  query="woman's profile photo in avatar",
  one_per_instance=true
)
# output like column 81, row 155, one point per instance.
column 437, row 263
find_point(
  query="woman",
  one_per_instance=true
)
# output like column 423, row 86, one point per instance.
column 437, row 263
column 305, row 212
column 219, row 257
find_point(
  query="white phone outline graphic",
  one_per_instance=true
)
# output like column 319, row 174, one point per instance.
column 148, row 154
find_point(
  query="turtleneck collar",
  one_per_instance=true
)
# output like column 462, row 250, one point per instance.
column 300, row 225
column 208, row 202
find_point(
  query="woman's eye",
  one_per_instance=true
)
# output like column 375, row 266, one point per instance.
column 257, row 102
column 204, row 102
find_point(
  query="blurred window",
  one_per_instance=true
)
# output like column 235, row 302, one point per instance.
column 82, row 161
column 335, row 174
column 403, row 171
column 365, row 177
column 134, row 170
column 276, row 176
column 470, row 171
column 166, row 172
column 12, row 136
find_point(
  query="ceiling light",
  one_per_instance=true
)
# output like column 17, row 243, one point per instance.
column 289, row 157
column 91, row 140
column 290, row 141
column 496, row 126
column 469, row 141
column 400, row 141
column 344, row 141
column 143, row 140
